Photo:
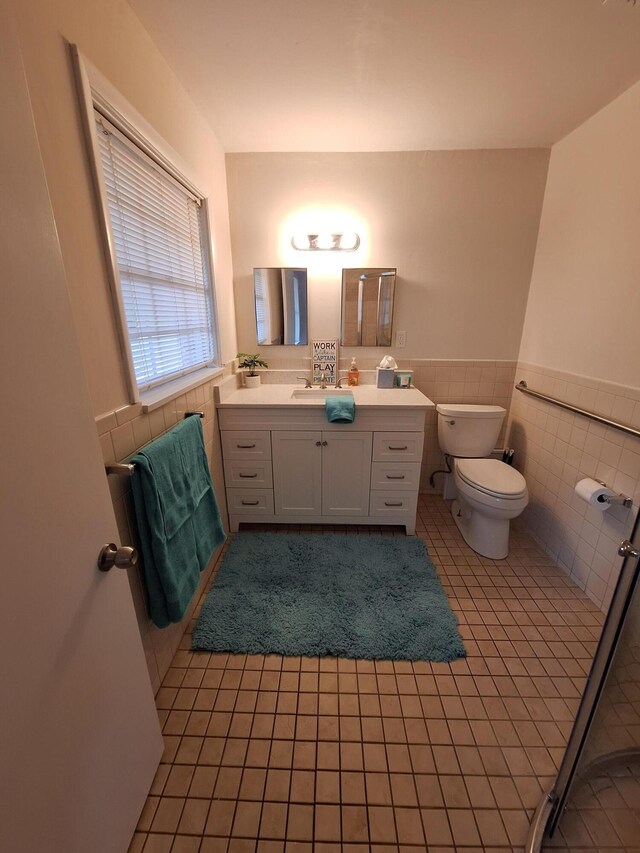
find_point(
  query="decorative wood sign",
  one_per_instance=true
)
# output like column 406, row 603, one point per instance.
column 324, row 361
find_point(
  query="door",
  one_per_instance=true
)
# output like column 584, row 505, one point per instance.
column 297, row 472
column 79, row 736
column 346, row 473
column 596, row 789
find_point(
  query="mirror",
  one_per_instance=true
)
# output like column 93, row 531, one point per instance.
column 367, row 307
column 281, row 306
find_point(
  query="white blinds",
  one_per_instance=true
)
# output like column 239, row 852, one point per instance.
column 260, row 293
column 157, row 228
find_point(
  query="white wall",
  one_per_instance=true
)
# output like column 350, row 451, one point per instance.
column 580, row 344
column 110, row 35
column 583, row 313
column 460, row 226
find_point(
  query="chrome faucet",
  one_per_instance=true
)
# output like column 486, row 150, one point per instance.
column 340, row 381
column 307, row 384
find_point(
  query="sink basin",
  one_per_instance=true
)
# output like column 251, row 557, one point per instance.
column 321, row 393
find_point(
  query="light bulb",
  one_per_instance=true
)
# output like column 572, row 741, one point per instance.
column 325, row 241
column 350, row 241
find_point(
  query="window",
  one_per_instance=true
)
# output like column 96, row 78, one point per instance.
column 260, row 289
column 159, row 239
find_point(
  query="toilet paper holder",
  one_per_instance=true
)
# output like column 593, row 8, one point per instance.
column 620, row 500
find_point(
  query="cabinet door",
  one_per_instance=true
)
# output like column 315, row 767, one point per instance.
column 346, row 473
column 297, row 472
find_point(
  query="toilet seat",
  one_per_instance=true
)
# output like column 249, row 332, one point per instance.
column 492, row 477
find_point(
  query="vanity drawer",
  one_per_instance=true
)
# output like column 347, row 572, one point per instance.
column 397, row 446
column 248, row 474
column 246, row 444
column 393, row 503
column 395, row 476
column 250, row 501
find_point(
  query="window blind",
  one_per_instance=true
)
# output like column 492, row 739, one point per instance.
column 260, row 292
column 157, row 233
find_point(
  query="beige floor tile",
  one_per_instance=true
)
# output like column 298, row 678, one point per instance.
column 167, row 814
column 274, row 820
column 382, row 827
column 253, row 783
column 194, row 816
column 186, row 844
column 299, row 754
column 247, row 819
column 355, row 826
column 327, row 823
column 300, row 822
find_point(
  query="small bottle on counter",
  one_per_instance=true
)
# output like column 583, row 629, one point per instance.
column 354, row 373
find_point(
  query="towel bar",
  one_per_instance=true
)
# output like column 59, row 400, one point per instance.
column 125, row 469
column 522, row 386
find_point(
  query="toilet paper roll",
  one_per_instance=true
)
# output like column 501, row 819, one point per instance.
column 593, row 493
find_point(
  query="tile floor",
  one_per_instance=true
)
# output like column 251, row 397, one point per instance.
column 602, row 814
column 296, row 754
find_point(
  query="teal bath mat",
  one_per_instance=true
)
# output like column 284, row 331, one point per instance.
column 374, row 597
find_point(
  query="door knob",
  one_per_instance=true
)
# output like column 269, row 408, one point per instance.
column 627, row 549
column 122, row 558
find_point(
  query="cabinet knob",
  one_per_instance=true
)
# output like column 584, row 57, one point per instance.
column 324, row 443
column 318, row 444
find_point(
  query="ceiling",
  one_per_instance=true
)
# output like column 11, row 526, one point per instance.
column 390, row 75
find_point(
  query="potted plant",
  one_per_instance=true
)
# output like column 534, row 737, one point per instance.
column 250, row 363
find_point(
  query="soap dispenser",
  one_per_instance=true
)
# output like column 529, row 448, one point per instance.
column 354, row 373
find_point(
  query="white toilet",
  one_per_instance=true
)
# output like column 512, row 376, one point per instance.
column 488, row 493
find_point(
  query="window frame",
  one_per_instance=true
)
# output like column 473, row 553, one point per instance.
column 96, row 94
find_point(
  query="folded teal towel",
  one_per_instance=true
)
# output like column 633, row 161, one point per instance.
column 179, row 522
column 340, row 410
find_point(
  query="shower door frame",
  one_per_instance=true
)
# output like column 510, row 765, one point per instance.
column 551, row 807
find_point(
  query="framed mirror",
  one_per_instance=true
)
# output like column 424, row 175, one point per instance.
column 280, row 295
column 367, row 307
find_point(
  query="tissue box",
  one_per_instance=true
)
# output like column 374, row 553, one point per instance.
column 385, row 377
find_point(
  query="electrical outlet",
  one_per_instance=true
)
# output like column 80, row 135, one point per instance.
column 401, row 339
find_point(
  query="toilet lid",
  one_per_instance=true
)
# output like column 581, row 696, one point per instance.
column 492, row 476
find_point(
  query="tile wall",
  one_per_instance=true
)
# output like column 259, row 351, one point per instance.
column 122, row 433
column 479, row 382
column 556, row 448
column 443, row 381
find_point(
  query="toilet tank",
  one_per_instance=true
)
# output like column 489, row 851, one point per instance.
column 468, row 430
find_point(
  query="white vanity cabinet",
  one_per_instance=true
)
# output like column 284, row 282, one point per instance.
column 297, row 487
column 321, row 473
column 346, row 473
column 287, row 464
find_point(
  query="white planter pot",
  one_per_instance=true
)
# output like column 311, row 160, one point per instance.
column 252, row 381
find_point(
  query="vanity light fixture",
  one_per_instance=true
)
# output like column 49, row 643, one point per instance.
column 347, row 242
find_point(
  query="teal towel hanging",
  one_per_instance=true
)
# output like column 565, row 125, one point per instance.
column 340, row 410
column 179, row 522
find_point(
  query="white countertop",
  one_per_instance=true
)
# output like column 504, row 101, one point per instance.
column 368, row 396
